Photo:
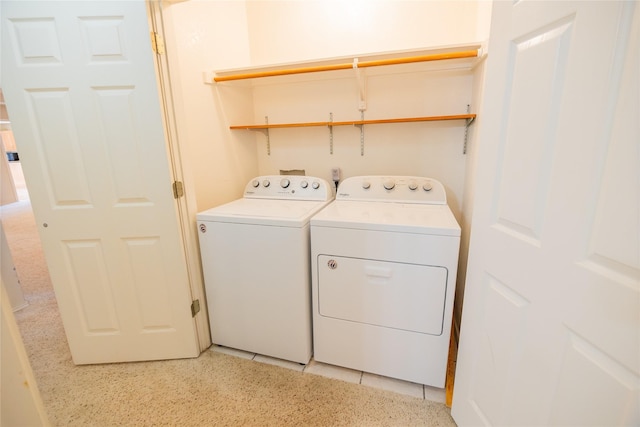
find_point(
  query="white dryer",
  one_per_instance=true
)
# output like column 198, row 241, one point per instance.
column 384, row 263
column 256, row 262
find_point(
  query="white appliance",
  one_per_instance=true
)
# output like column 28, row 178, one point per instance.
column 384, row 263
column 256, row 262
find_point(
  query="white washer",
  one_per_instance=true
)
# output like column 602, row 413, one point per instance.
column 256, row 262
column 384, row 263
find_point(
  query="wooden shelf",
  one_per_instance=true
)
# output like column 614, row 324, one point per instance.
column 469, row 117
column 466, row 55
column 473, row 53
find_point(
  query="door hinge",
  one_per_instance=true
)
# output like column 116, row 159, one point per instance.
column 195, row 307
column 178, row 189
column 157, row 43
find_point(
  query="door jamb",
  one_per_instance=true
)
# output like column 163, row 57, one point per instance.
column 186, row 205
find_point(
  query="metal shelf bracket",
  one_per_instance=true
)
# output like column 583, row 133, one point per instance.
column 330, row 133
column 361, row 126
column 265, row 131
column 466, row 130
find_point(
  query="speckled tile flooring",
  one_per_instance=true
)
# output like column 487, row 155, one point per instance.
column 419, row 391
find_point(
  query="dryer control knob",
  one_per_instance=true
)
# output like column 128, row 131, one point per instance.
column 255, row 183
column 315, row 185
column 284, row 183
column 366, row 185
column 304, row 184
column 413, row 185
column 389, row 184
column 427, row 186
column 266, row 183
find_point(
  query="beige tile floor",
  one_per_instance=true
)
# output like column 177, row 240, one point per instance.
column 336, row 372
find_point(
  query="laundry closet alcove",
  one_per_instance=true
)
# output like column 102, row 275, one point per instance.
column 436, row 60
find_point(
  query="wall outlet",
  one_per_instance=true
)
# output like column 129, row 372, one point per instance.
column 335, row 174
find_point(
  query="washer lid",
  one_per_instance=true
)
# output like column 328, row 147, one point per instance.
column 382, row 216
column 283, row 213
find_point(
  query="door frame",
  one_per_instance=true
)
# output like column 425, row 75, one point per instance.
column 186, row 205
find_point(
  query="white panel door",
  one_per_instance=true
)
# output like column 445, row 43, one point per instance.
column 550, row 331
column 80, row 84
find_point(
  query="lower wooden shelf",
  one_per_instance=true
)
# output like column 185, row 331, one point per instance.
column 469, row 117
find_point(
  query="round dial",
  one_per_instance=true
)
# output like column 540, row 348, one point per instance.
column 304, row 184
column 266, row 183
column 427, row 186
column 255, row 183
column 284, row 183
column 315, row 185
column 366, row 185
column 389, row 184
column 413, row 185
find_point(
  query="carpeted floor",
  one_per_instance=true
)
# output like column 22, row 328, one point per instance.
column 214, row 389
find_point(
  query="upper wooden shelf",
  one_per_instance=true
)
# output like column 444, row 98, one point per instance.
column 466, row 55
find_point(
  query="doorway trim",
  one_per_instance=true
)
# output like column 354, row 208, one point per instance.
column 186, row 203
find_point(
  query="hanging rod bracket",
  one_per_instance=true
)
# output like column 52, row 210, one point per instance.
column 361, row 80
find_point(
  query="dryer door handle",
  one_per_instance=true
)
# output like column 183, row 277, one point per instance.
column 377, row 271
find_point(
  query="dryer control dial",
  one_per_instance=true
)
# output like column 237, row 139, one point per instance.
column 255, row 183
column 304, row 184
column 389, row 184
column 284, row 183
column 389, row 188
column 315, row 185
column 266, row 183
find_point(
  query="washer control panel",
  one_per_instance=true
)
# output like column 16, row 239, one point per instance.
column 292, row 187
column 397, row 189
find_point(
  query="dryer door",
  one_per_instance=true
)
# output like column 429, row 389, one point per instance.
column 409, row 297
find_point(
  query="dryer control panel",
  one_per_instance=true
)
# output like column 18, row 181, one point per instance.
column 289, row 187
column 394, row 189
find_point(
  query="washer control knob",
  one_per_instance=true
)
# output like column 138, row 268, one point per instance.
column 413, row 185
column 315, row 185
column 255, row 183
column 427, row 186
column 266, row 183
column 366, row 185
column 389, row 184
column 304, row 184
column 284, row 183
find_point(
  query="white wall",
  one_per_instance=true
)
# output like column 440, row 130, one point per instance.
column 286, row 31
column 468, row 193
column 204, row 36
